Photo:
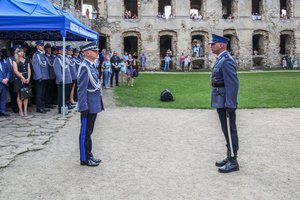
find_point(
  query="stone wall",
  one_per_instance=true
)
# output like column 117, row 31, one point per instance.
column 112, row 25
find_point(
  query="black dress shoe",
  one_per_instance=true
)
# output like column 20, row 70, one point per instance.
column 41, row 111
column 49, row 106
column 70, row 107
column 89, row 163
column 96, row 160
column 231, row 166
column 4, row 114
column 222, row 162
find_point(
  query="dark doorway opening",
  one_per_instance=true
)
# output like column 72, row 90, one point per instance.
column 131, row 45
column 257, row 6
column 226, row 8
column 285, row 44
column 257, row 45
column 102, row 42
column 165, row 43
column 229, row 45
column 198, row 40
column 131, row 6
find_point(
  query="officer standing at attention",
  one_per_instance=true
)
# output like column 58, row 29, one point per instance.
column 225, row 85
column 4, row 79
column 89, row 102
column 40, row 75
column 50, row 85
column 58, row 70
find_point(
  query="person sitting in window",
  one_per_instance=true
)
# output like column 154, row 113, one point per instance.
column 230, row 17
column 129, row 14
column 258, row 16
column 134, row 17
column 159, row 15
column 126, row 14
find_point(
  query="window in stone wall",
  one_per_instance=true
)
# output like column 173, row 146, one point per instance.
column 285, row 9
column 286, row 43
column 165, row 47
column 165, row 9
column 196, row 10
column 229, row 9
column 198, row 48
column 131, row 9
column 257, row 9
column 102, row 42
column 229, row 45
column 258, row 45
column 131, row 45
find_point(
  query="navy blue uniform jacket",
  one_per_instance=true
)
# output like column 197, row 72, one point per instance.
column 224, row 72
column 89, row 88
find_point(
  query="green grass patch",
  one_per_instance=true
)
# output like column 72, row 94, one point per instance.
column 257, row 90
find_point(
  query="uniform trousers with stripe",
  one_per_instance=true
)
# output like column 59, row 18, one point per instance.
column 233, row 129
column 85, row 140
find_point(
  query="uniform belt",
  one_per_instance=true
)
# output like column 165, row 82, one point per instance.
column 218, row 84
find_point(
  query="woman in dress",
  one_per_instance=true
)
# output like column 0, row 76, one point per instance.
column 130, row 70
column 22, row 71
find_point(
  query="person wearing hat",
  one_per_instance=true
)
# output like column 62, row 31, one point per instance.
column 40, row 75
column 77, row 59
column 58, row 70
column 72, row 66
column 13, row 95
column 4, row 80
column 225, row 85
column 89, row 102
column 50, row 84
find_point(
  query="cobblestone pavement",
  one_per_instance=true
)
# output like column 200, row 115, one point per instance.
column 21, row 134
column 152, row 154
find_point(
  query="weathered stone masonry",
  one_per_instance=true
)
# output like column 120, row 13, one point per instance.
column 272, row 37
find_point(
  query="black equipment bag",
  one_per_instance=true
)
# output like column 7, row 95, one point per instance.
column 166, row 95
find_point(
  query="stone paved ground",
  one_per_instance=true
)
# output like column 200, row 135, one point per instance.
column 162, row 154
column 21, row 134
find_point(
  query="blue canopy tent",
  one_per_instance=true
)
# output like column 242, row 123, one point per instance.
column 40, row 19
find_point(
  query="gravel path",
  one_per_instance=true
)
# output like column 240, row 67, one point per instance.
column 163, row 154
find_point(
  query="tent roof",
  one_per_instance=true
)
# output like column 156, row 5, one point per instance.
column 40, row 19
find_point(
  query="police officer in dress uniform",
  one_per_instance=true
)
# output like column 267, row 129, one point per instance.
column 58, row 69
column 72, row 65
column 41, row 76
column 225, row 85
column 89, row 102
column 12, row 93
column 50, row 84
column 4, row 79
column 77, row 60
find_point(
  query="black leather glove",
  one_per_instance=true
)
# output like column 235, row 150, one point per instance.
column 229, row 110
column 84, row 113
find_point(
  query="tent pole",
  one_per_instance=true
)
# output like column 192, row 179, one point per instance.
column 64, row 79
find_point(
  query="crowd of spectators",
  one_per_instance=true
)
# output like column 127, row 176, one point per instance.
column 163, row 16
column 21, row 67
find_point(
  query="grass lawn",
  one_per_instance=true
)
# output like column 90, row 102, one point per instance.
column 257, row 90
